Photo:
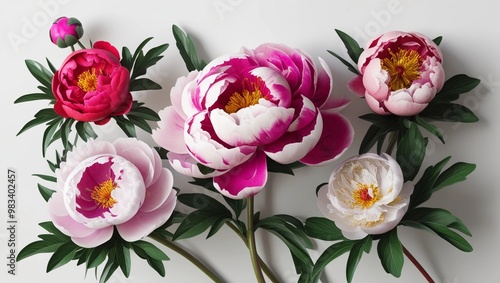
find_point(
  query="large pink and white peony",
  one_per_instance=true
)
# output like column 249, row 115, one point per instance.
column 366, row 195
column 270, row 102
column 104, row 185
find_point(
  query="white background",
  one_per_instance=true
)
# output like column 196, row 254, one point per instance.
column 470, row 45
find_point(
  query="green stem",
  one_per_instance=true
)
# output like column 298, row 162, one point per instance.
column 251, row 242
column 162, row 240
column 269, row 273
column 80, row 44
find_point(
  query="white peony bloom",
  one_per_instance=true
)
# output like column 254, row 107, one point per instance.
column 366, row 194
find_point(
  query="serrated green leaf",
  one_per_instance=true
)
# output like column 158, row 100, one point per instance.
column 357, row 250
column 457, row 172
column 349, row 66
column 329, row 254
column 390, row 252
column 323, row 229
column 32, row 97
column 64, row 254
column 195, row 223
column 410, row 153
column 40, row 73
column 353, row 48
column 45, row 192
column 143, row 84
column 455, row 86
column 37, row 247
column 429, row 127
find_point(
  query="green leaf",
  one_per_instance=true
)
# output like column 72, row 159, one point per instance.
column 37, row 247
column 65, row 130
column 458, row 172
column 46, row 177
column 49, row 133
column 204, row 169
column 49, row 227
column 390, row 252
column 237, row 205
column 329, row 254
column 439, row 216
column 96, row 257
column 64, row 254
column 45, row 192
column 455, row 86
column 143, row 84
column 126, row 126
column 323, row 229
column 150, row 250
column 36, row 121
column 145, row 113
column 437, row 40
column 195, row 223
column 51, row 66
column 40, row 73
column 449, row 112
column 85, row 131
column 140, row 47
column 450, row 236
column 363, row 245
column 140, row 122
column 127, row 60
column 349, row 66
column 423, row 188
column 429, row 127
column 187, row 49
column 157, row 265
column 110, row 267
column 276, row 167
column 204, row 202
column 411, row 152
column 353, row 48
column 122, row 253
column 217, row 225
column 34, row 96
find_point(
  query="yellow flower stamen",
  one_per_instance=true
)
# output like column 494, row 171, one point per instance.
column 102, row 194
column 249, row 96
column 403, row 68
column 365, row 196
column 87, row 80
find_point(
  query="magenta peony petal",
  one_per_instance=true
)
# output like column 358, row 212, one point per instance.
column 356, row 86
column 335, row 139
column 244, row 180
column 95, row 239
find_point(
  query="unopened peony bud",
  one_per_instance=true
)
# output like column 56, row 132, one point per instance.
column 66, row 32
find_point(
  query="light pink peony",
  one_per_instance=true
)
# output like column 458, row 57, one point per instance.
column 241, row 109
column 400, row 73
column 103, row 185
column 92, row 86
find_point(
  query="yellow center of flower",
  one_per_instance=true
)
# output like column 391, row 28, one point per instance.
column 366, row 195
column 87, row 81
column 403, row 68
column 102, row 194
column 249, row 96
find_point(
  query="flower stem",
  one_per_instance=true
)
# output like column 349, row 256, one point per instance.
column 169, row 244
column 269, row 273
column 251, row 242
column 417, row 265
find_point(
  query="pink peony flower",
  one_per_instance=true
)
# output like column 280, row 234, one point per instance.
column 92, row 86
column 400, row 73
column 103, row 185
column 65, row 32
column 241, row 109
column 366, row 195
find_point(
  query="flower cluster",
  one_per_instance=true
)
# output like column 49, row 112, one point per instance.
column 230, row 122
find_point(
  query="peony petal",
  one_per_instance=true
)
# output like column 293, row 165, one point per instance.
column 157, row 193
column 178, row 89
column 336, row 137
column 323, row 85
column 95, row 239
column 187, row 165
column 143, row 223
column 170, row 131
column 356, row 86
column 244, row 180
